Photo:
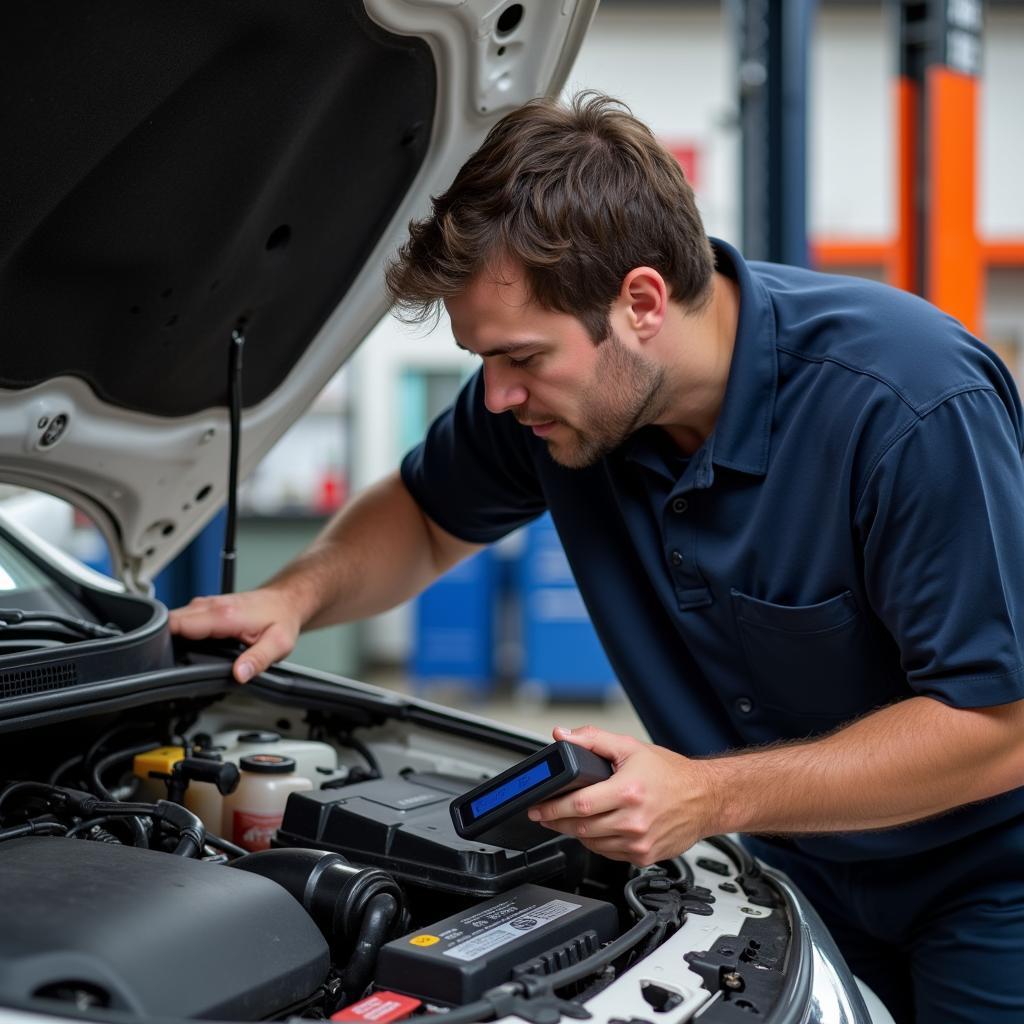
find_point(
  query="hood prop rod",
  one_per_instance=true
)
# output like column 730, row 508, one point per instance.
column 227, row 558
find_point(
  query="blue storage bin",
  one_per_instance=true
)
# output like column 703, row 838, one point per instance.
column 453, row 637
column 562, row 656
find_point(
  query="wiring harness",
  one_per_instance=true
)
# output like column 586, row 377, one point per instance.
column 660, row 904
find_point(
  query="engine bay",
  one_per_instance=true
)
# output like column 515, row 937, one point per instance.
column 171, row 861
column 175, row 846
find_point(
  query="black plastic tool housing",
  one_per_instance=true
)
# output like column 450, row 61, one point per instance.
column 496, row 810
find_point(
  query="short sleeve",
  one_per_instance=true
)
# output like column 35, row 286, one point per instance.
column 474, row 473
column 942, row 527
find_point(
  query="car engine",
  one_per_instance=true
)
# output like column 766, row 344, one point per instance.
column 180, row 867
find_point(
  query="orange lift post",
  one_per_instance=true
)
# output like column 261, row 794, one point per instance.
column 937, row 252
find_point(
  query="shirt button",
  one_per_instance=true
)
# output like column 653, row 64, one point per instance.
column 680, row 505
column 744, row 705
column 676, row 558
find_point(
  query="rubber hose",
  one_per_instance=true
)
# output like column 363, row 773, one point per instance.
column 38, row 828
column 380, row 913
column 334, row 892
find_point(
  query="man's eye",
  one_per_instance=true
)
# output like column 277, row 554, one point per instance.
column 519, row 363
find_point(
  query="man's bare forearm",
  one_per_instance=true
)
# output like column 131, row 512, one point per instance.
column 908, row 761
column 379, row 551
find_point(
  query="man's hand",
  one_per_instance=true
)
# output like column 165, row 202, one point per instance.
column 380, row 550
column 656, row 805
column 907, row 761
column 266, row 620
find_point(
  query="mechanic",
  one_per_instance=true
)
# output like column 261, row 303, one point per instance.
column 794, row 506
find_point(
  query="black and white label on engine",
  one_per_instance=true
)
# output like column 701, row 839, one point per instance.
column 455, row 961
column 522, row 920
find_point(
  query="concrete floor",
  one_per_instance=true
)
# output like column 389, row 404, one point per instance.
column 525, row 710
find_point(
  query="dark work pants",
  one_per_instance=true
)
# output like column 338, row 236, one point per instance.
column 939, row 935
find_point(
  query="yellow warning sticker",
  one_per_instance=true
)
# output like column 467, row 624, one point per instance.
column 424, row 940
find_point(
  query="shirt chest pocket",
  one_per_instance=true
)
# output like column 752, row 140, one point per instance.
column 811, row 661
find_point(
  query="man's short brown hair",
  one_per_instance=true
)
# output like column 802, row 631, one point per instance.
column 577, row 195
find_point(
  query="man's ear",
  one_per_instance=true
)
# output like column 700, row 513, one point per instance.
column 644, row 300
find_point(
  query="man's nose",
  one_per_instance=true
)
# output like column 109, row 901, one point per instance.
column 502, row 391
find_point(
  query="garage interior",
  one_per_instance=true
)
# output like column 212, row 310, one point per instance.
column 855, row 136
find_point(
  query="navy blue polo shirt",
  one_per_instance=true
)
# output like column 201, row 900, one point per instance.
column 850, row 534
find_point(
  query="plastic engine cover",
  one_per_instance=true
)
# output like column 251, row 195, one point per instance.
column 404, row 826
column 151, row 933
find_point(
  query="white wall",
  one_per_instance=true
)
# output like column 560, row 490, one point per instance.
column 1001, row 154
column 850, row 124
column 674, row 67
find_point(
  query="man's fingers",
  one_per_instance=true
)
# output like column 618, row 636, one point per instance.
column 600, row 826
column 258, row 618
column 602, row 796
column 208, row 617
column 609, row 745
column 604, row 837
column 580, row 803
column 244, row 669
column 178, row 617
column 640, row 854
column 275, row 644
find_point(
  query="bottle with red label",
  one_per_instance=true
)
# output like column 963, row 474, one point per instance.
column 253, row 813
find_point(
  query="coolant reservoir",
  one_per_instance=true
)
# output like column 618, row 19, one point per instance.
column 204, row 799
column 253, row 813
column 315, row 761
column 312, row 759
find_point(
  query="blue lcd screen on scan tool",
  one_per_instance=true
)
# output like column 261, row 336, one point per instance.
column 510, row 789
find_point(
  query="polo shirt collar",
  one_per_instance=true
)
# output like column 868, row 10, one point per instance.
column 653, row 449
column 741, row 437
column 742, row 433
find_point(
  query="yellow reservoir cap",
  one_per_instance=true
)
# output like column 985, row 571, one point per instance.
column 159, row 759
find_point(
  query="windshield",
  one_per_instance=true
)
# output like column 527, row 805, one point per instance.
column 24, row 585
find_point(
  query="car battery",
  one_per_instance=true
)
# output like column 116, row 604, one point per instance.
column 456, row 960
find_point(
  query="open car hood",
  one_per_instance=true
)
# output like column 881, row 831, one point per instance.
column 179, row 171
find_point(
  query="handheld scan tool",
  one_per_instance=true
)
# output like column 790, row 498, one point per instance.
column 495, row 811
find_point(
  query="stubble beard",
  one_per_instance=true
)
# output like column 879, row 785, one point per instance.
column 626, row 394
